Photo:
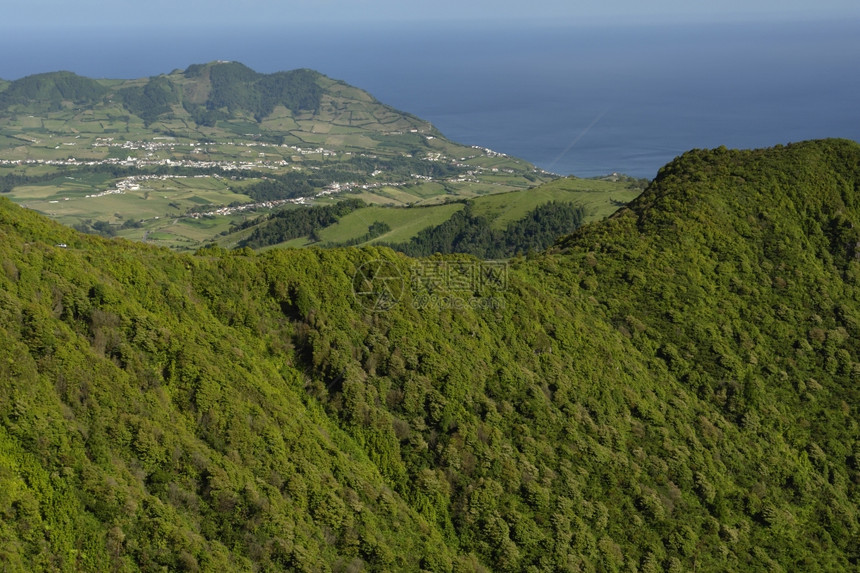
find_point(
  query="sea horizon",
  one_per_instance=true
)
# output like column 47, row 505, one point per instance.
column 584, row 101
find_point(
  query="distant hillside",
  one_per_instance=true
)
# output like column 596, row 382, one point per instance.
column 671, row 389
column 215, row 92
column 463, row 232
column 237, row 87
column 145, row 158
column 498, row 225
column 203, row 93
column 49, row 91
column 204, row 90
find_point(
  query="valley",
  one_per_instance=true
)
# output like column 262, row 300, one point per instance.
column 169, row 158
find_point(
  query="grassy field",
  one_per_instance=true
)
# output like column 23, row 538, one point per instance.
column 405, row 222
column 71, row 200
column 599, row 197
column 157, row 207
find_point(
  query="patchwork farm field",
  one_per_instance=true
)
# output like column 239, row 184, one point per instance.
column 182, row 159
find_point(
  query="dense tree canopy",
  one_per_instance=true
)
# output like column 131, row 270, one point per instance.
column 467, row 233
column 672, row 389
column 235, row 87
column 150, row 100
column 50, row 90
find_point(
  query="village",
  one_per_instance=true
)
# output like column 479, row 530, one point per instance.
column 165, row 158
column 150, row 148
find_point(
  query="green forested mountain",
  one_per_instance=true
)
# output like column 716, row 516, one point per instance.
column 212, row 92
column 48, row 91
column 202, row 89
column 236, row 87
column 672, row 389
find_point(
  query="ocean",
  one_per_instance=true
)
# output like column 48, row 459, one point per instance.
column 582, row 100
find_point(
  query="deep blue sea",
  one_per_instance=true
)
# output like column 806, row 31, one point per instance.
column 583, row 100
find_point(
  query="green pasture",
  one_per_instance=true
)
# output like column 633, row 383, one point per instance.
column 599, row 199
column 65, row 198
column 180, row 233
column 405, row 222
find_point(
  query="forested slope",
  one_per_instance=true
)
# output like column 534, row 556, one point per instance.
column 672, row 389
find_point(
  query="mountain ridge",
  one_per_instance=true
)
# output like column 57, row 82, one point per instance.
column 218, row 85
column 52, row 88
column 673, row 388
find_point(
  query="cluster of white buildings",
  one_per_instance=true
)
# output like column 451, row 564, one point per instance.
column 136, row 162
column 223, row 211
column 104, row 193
column 489, row 152
column 150, row 145
column 171, row 146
